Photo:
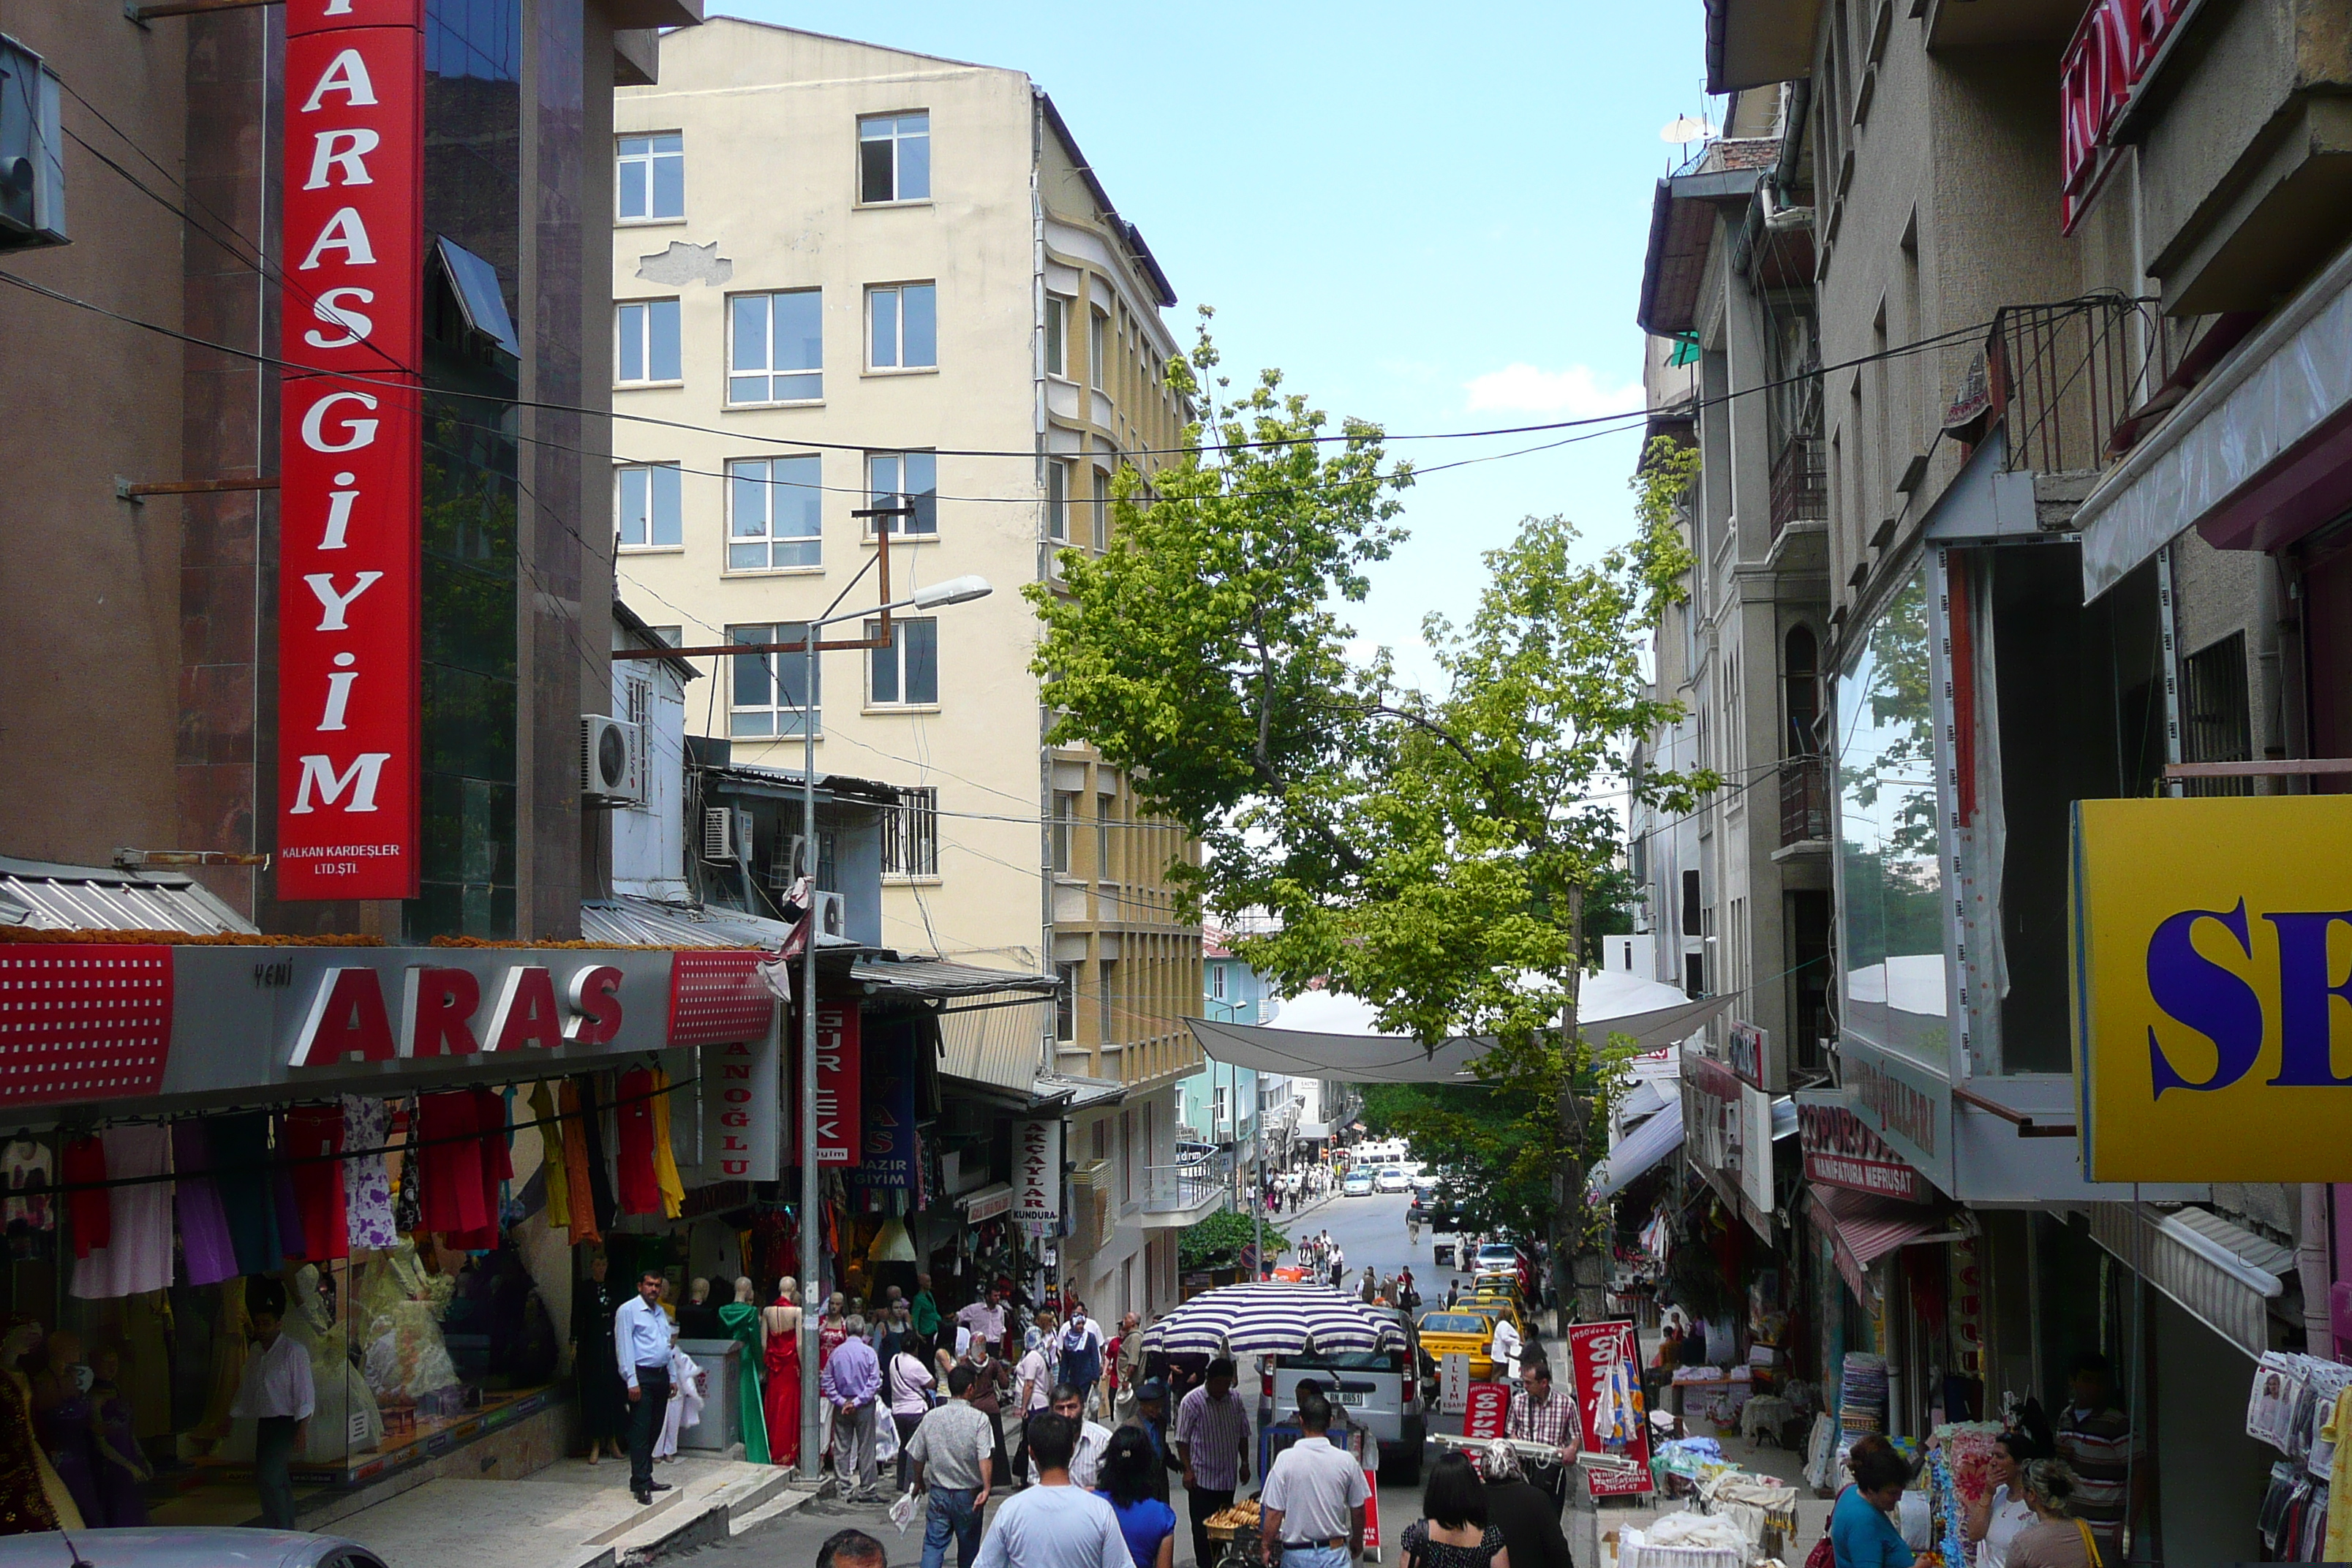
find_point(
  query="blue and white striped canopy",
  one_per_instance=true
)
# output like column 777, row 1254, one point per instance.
column 1276, row 1318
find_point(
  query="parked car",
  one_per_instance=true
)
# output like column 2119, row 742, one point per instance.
column 185, row 1546
column 1445, row 1332
column 1358, row 1184
column 1426, row 1181
column 1379, row 1390
column 1391, row 1179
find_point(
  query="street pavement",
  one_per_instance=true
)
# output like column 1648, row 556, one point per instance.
column 1370, row 1230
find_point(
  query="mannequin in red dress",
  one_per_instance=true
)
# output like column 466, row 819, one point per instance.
column 781, row 1326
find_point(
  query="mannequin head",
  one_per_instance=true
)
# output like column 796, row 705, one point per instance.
column 701, row 1291
column 596, row 1267
column 788, row 1291
column 743, row 1290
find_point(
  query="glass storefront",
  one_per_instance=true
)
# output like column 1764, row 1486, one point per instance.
column 1890, row 903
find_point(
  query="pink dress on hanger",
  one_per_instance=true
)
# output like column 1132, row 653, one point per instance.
column 137, row 1257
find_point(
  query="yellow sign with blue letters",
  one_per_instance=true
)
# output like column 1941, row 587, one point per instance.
column 2212, row 988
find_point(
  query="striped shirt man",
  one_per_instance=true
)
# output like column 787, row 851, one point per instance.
column 1213, row 1434
column 2097, row 1445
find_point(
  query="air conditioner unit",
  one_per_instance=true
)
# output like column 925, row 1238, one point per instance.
column 612, row 761
column 726, row 833
column 833, row 915
column 32, row 152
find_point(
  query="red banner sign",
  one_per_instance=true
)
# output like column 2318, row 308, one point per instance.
column 840, row 1107
column 1487, row 1411
column 349, row 449
column 1605, row 1360
column 1841, row 1151
column 2098, row 76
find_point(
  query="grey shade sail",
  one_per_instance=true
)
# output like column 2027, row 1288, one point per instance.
column 1399, row 1058
column 1637, row 1154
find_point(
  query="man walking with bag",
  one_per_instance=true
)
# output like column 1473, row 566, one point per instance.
column 952, row 1450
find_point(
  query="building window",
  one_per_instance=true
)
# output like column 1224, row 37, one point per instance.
column 774, row 515
column 902, row 327
column 645, row 347
column 1099, row 352
column 1217, row 982
column 1057, row 502
column 1219, row 1110
column 647, row 506
column 907, row 673
column 894, row 157
column 777, row 354
column 1103, row 808
column 1804, row 693
column 1692, row 905
column 1107, row 969
column 2217, row 721
column 650, row 176
column 1066, row 1002
column 769, row 697
column 1102, row 1139
column 1102, row 510
column 1065, row 813
column 1058, row 334
column 674, row 636
column 895, row 479
column 910, row 835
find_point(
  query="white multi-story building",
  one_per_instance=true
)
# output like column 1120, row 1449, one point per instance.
column 850, row 278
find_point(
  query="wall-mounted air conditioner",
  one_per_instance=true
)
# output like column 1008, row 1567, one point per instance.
column 612, row 761
column 32, row 152
column 726, row 833
column 832, row 915
column 789, row 864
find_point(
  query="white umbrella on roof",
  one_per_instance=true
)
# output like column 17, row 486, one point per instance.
column 1272, row 1317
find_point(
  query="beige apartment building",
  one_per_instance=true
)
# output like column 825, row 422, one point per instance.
column 847, row 278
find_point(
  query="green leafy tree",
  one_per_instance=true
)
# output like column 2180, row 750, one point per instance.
column 1429, row 852
column 1220, row 1240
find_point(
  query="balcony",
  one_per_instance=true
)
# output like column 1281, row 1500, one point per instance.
column 1801, row 491
column 1184, row 1196
column 1804, row 803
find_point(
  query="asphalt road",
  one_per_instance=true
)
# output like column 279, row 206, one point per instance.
column 1370, row 1230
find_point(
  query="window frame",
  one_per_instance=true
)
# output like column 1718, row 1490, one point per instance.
column 1105, row 1001
column 1057, row 335
column 1098, row 349
column 898, row 293
column 1057, row 500
column 647, row 307
column 771, row 373
column 1099, row 509
column 911, row 832
column 649, row 545
column 897, row 197
column 1063, row 823
column 768, row 484
column 651, row 158
column 898, row 528
column 1066, row 1002
column 896, row 655
column 810, row 716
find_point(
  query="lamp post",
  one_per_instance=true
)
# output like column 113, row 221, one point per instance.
column 954, row 591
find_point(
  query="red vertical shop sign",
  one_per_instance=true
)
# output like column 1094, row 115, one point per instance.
column 1605, row 1359
column 840, row 1107
column 349, row 449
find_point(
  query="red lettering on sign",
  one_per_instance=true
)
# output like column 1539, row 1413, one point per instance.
column 594, row 995
column 2113, row 49
column 346, row 1021
column 526, row 1013
column 437, row 1012
column 349, row 443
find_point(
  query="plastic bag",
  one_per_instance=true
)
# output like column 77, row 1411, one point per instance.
column 902, row 1513
column 886, row 1439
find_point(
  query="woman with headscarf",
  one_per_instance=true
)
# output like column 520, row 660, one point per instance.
column 1525, row 1514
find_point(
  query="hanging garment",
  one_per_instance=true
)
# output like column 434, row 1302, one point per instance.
column 496, row 1163
column 742, row 1321
column 232, row 1336
column 291, row 1240
column 2339, row 1520
column 26, row 1163
column 87, row 1207
column 407, row 1207
column 582, row 1217
column 592, row 1131
column 550, row 1157
column 240, row 1147
column 640, row 1188
column 449, row 1153
column 314, row 1137
column 137, row 1257
column 367, row 1189
column 209, row 1255
column 673, row 1189
column 604, row 1395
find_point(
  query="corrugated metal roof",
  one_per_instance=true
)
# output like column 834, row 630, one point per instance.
column 47, row 897
column 647, row 922
column 936, row 980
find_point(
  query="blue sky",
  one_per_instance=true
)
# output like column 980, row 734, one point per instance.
column 1429, row 217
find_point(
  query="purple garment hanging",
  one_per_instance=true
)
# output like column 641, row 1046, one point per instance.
column 281, row 1190
column 205, row 1244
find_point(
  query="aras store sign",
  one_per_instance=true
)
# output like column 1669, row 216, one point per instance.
column 2212, row 980
column 349, row 449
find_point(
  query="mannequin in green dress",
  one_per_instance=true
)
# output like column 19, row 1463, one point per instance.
column 740, row 1318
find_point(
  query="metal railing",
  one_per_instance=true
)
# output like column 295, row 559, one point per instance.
column 1801, row 490
column 2059, row 378
column 1804, row 801
column 1186, row 1186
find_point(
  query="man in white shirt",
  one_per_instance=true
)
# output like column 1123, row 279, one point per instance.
column 985, row 1318
column 1033, row 1383
column 1086, row 1463
column 641, row 1336
column 1054, row 1524
column 1312, row 1508
column 1506, row 1349
column 276, row 1391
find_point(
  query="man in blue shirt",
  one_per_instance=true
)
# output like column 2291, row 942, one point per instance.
column 641, row 1337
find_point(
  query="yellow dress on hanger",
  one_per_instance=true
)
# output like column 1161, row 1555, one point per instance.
column 550, row 1157
column 673, row 1191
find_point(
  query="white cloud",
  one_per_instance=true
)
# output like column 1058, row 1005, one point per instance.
column 1575, row 392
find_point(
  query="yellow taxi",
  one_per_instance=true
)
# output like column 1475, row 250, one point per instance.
column 1492, row 1306
column 1448, row 1330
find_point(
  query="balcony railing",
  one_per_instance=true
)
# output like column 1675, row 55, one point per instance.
column 1178, row 1188
column 1801, row 491
column 1804, row 801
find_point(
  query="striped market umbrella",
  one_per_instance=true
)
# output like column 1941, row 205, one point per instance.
column 1273, row 1319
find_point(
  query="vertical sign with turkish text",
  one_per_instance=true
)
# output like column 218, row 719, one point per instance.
column 838, row 1103
column 1037, row 1171
column 349, row 449
column 742, row 1099
column 1605, row 1360
column 889, row 1085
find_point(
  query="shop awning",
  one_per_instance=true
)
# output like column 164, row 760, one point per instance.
column 632, row 920
column 2253, row 457
column 1638, row 1153
column 932, row 980
column 2219, row 1272
column 44, row 897
column 1313, row 1129
column 1863, row 1229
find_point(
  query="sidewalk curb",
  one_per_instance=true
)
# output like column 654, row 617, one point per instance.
column 712, row 1518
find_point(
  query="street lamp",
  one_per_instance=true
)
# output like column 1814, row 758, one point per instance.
column 954, row 591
